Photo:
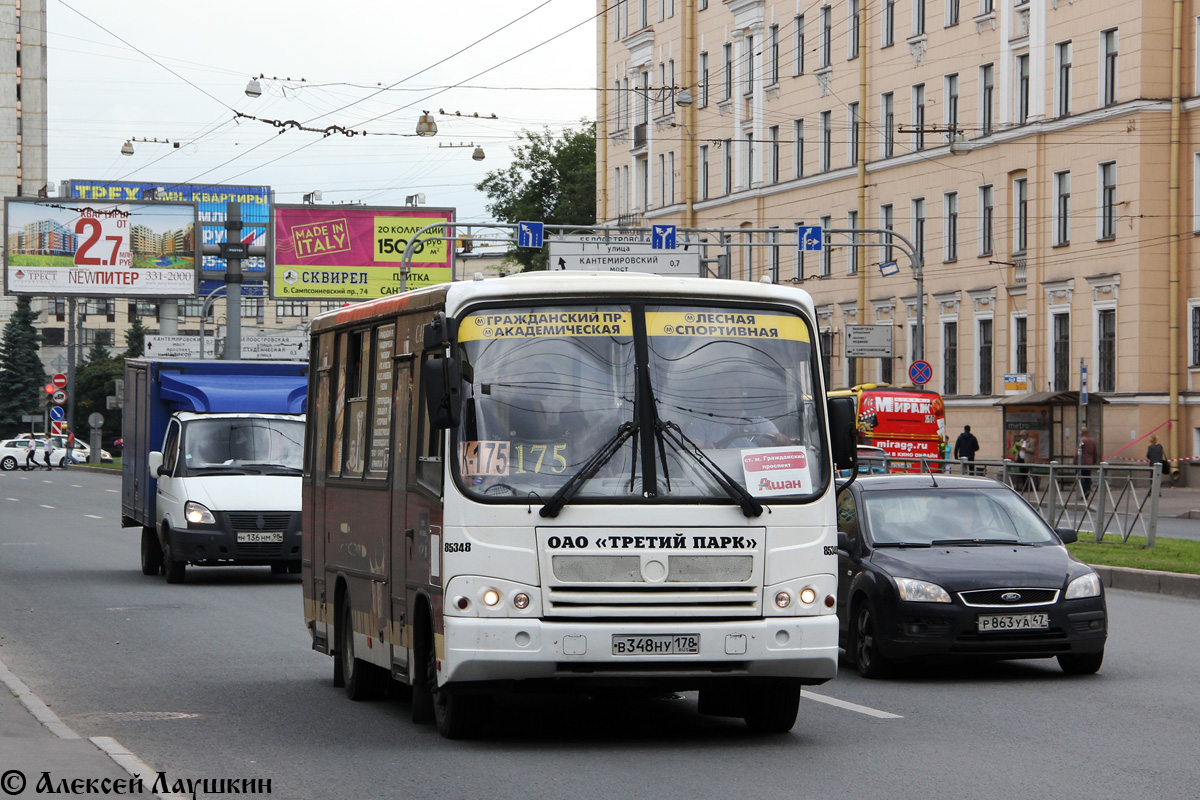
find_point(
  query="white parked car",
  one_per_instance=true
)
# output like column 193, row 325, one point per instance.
column 82, row 449
column 12, row 454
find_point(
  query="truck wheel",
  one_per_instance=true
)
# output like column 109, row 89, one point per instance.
column 363, row 679
column 772, row 708
column 152, row 555
column 172, row 569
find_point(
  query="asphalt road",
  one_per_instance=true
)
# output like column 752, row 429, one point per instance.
column 215, row 678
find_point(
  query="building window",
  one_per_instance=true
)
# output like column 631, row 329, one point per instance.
column 1195, row 362
column 1061, row 354
column 854, row 12
column 662, row 90
column 1021, row 344
column 951, row 13
column 826, row 251
column 1108, row 88
column 773, row 55
column 773, row 254
column 887, row 221
column 671, row 178
column 1062, row 79
column 889, row 23
column 749, row 59
column 285, row 309
column 951, row 107
column 918, row 227
column 749, row 160
column 918, row 116
column 1062, row 208
column 852, row 257
column 885, row 370
column 798, row 148
column 1022, row 89
column 727, row 71
column 662, row 179
column 826, row 36
column 643, row 179
column 727, row 147
column 826, row 140
column 798, row 45
column 985, row 357
column 918, row 28
column 987, row 6
column 1195, row 193
column 252, row 308
column 703, row 99
column 887, row 116
column 773, row 154
column 1020, row 215
column 950, row 358
column 1106, row 350
column 1108, row 200
column 643, row 13
column 950, row 245
column 987, row 93
column 704, row 172
column 987, row 215
column 852, row 129
column 826, row 354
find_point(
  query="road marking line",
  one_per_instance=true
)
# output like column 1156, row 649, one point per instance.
column 92, row 516
column 76, row 486
column 114, row 491
column 833, row 701
column 14, row 499
column 43, row 505
column 132, row 764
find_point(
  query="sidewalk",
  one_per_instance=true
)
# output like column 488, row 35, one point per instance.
column 34, row 741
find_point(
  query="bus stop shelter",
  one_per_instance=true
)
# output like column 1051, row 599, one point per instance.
column 1051, row 421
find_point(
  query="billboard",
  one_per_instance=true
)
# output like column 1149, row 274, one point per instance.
column 101, row 249
column 210, row 200
column 355, row 252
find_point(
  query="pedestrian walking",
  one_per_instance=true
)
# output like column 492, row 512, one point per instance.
column 1155, row 454
column 966, row 446
column 48, row 450
column 70, row 449
column 31, row 455
column 1086, row 457
column 1019, row 452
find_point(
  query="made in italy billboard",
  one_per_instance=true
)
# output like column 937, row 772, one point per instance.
column 99, row 249
column 211, row 201
column 357, row 252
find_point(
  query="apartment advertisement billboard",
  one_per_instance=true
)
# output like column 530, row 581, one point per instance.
column 211, row 201
column 99, row 249
column 356, row 252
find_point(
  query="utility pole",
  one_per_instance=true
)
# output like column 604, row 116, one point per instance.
column 233, row 250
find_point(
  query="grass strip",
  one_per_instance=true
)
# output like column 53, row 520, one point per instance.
column 1168, row 555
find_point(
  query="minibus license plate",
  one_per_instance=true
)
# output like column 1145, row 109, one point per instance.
column 251, row 537
column 657, row 644
column 1013, row 622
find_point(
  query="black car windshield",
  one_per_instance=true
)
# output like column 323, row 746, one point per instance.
column 545, row 388
column 243, row 444
column 924, row 516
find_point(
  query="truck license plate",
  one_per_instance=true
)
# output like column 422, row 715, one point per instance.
column 251, row 537
column 657, row 644
column 1013, row 622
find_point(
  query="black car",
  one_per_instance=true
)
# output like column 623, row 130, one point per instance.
column 934, row 565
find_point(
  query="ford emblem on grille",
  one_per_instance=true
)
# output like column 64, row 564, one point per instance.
column 1010, row 597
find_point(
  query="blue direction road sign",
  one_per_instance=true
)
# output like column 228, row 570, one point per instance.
column 663, row 237
column 57, row 413
column 920, row 373
column 529, row 234
column 808, row 237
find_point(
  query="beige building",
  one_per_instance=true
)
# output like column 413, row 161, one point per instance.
column 1031, row 150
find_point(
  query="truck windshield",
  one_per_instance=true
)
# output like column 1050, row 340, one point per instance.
column 252, row 445
column 546, row 389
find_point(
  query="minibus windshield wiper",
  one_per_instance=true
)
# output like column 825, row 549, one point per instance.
column 671, row 432
column 589, row 469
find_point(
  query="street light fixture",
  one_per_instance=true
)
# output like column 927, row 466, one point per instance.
column 127, row 148
column 478, row 154
column 253, row 88
column 426, row 126
column 684, row 98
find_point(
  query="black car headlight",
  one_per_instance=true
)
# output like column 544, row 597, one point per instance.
column 915, row 591
column 1084, row 586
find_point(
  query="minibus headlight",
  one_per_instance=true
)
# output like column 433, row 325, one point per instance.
column 783, row 599
column 521, row 600
column 491, row 597
column 808, row 596
column 197, row 514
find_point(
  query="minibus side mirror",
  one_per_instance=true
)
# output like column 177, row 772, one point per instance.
column 843, row 433
column 441, row 383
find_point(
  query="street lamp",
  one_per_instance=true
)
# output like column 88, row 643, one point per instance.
column 127, row 148
column 426, row 126
column 684, row 98
column 253, row 88
column 478, row 154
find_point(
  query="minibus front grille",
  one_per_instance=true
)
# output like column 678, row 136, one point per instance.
column 652, row 601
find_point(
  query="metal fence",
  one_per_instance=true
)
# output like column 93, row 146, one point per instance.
column 1095, row 501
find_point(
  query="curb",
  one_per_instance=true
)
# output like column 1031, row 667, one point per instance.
column 1176, row 584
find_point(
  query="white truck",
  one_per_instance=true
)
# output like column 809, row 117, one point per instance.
column 213, row 453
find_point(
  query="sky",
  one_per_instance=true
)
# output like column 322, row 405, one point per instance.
column 174, row 72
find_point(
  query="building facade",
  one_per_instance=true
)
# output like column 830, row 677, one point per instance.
column 1042, row 156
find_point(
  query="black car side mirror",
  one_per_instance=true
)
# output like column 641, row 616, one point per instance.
column 1067, row 535
column 843, row 541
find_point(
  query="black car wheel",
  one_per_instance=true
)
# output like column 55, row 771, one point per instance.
column 1081, row 663
column 870, row 661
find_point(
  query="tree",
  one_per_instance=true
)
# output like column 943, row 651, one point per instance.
column 95, row 380
column 551, row 179
column 22, row 376
column 135, row 339
column 98, row 351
